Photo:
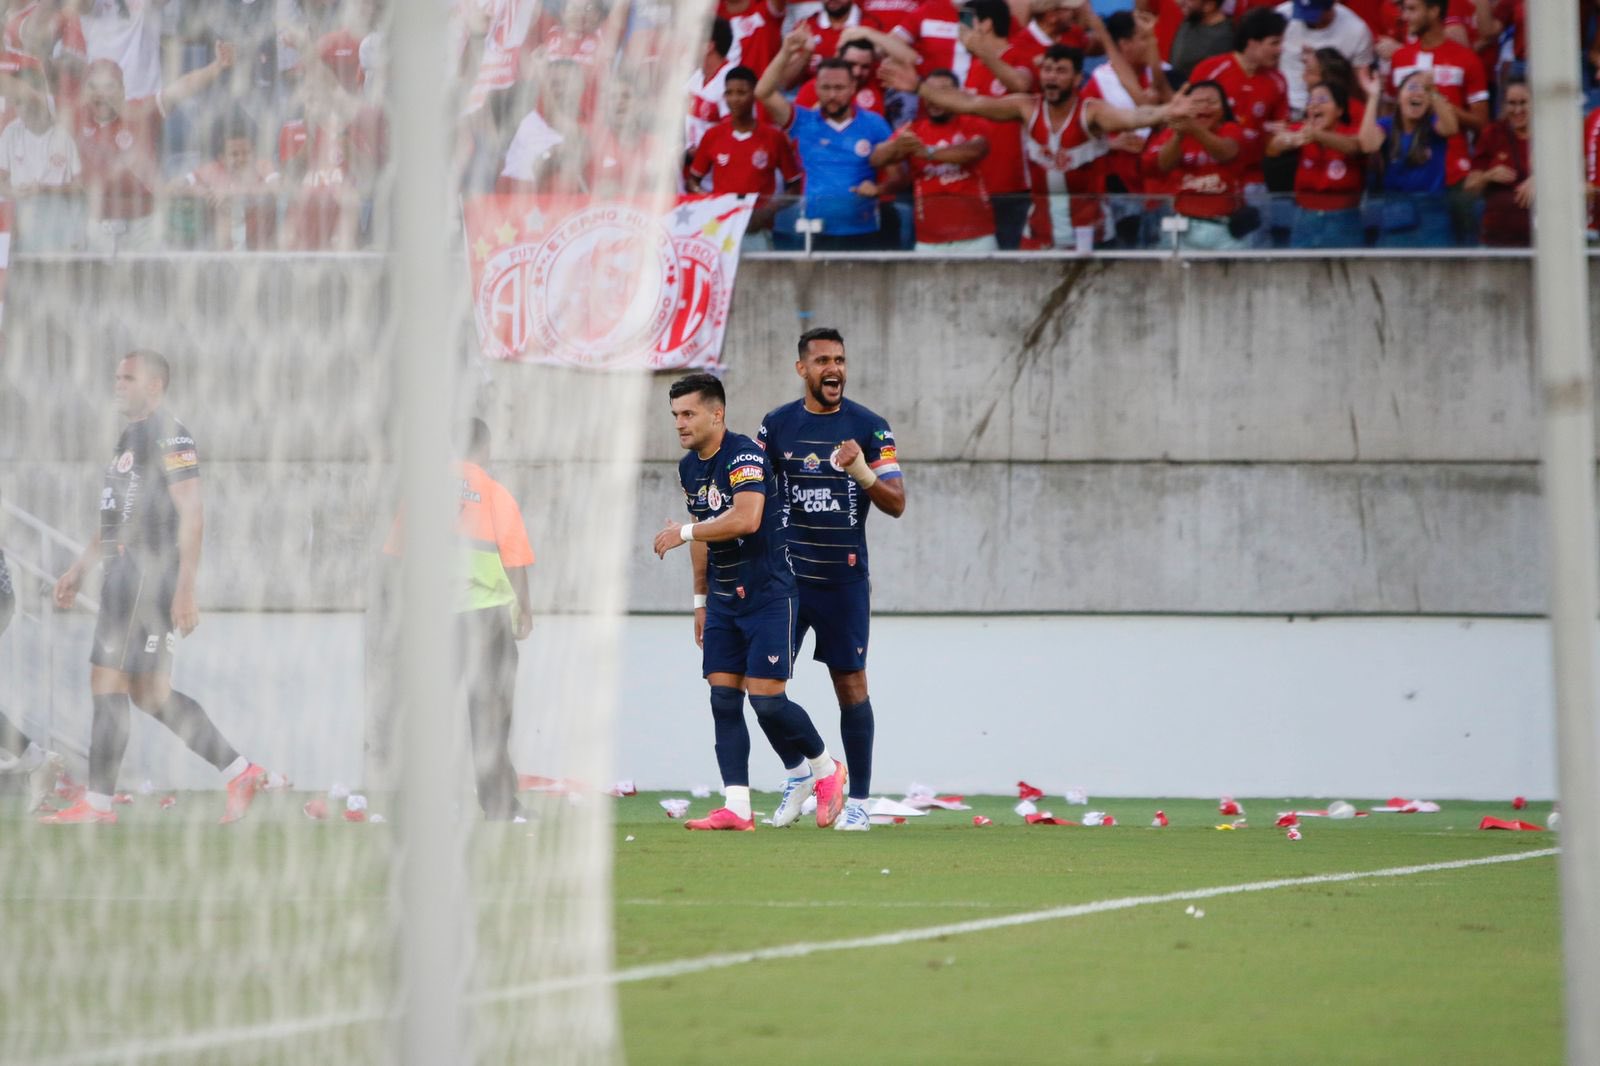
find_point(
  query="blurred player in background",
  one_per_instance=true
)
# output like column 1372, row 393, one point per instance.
column 744, row 601
column 18, row 753
column 151, row 521
column 836, row 459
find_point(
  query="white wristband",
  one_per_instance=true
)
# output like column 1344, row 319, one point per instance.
column 686, row 531
column 699, row 600
column 858, row 469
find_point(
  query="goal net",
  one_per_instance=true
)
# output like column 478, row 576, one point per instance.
column 279, row 938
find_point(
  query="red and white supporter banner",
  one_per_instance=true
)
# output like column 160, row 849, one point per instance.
column 574, row 282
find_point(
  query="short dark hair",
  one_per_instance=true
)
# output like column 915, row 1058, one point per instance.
column 858, row 44
column 1259, row 24
column 834, row 63
column 1442, row 5
column 156, row 361
column 702, row 384
column 944, row 72
column 722, row 36
column 828, row 333
column 996, row 12
column 1120, row 25
column 741, row 74
column 1060, row 52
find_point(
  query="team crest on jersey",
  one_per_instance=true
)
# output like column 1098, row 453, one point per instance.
column 811, row 462
column 723, row 158
column 759, row 159
column 833, row 461
column 865, row 99
column 1259, row 109
column 1336, row 169
column 124, row 140
column 124, row 462
column 997, row 88
column 863, row 148
column 714, row 498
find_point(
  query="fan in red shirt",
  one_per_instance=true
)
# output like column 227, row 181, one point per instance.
column 1130, row 36
column 1169, row 15
column 1502, row 171
column 934, row 32
column 1457, row 74
column 50, row 34
column 742, row 154
column 1257, row 94
column 332, row 153
column 1591, row 167
column 1064, row 140
column 1331, row 173
column 119, row 141
column 1200, row 151
column 757, row 30
column 239, row 190
column 943, row 148
column 890, row 13
column 829, row 24
column 996, row 64
column 861, row 56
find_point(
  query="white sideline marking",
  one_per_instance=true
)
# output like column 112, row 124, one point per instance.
column 215, row 1038
column 683, row 967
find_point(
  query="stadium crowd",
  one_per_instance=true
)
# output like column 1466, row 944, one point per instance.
column 129, row 125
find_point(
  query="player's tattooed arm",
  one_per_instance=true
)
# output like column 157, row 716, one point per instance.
column 888, row 493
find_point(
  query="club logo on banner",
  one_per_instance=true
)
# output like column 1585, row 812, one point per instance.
column 568, row 281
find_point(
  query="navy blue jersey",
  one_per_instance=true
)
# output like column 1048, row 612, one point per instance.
column 136, row 510
column 827, row 509
column 747, row 573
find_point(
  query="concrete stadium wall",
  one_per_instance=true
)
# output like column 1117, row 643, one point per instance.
column 1103, row 438
column 1284, row 436
column 1121, row 706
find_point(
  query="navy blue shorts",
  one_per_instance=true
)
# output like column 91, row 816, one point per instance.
column 758, row 643
column 842, row 618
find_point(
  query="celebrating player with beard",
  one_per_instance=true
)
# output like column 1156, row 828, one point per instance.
column 837, row 459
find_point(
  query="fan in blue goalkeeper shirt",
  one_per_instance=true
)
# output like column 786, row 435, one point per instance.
column 837, row 460
column 744, row 601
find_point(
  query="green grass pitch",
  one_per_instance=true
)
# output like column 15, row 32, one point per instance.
column 128, row 936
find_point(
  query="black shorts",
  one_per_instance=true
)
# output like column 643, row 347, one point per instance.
column 134, row 631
